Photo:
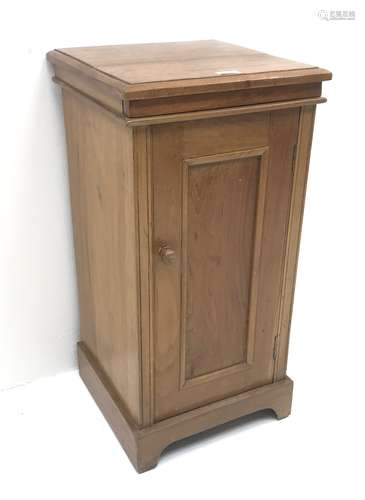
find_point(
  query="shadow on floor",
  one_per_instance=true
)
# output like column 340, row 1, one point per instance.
column 239, row 425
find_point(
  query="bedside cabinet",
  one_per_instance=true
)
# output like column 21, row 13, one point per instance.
column 188, row 167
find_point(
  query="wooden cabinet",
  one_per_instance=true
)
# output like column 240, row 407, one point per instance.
column 188, row 165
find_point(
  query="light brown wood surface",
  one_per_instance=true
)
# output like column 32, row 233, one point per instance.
column 219, row 100
column 220, row 113
column 187, row 201
column 185, row 338
column 103, row 199
column 220, row 197
column 300, row 175
column 150, row 79
column 145, row 445
column 154, row 62
column 181, row 65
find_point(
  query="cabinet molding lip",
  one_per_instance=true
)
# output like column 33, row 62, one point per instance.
column 191, row 115
column 81, row 95
column 210, row 85
column 216, row 113
column 141, row 108
column 189, row 86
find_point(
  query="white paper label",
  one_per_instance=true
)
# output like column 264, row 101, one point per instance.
column 228, row 72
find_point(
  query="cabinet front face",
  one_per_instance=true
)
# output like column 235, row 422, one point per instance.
column 221, row 193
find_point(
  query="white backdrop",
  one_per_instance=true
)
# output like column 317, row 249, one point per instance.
column 38, row 301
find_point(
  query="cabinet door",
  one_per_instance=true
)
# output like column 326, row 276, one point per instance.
column 220, row 204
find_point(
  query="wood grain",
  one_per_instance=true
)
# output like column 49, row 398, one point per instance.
column 149, row 71
column 142, row 165
column 171, row 145
column 103, row 204
column 145, row 445
column 220, row 198
column 300, row 175
column 187, row 216
column 220, row 113
column 217, row 100
column 97, row 91
column 147, row 63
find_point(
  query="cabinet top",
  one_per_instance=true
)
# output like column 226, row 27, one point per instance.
column 183, row 68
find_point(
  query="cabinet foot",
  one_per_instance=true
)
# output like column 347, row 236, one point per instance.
column 147, row 463
column 282, row 408
column 281, row 413
column 145, row 445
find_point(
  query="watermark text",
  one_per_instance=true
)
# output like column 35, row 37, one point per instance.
column 337, row 15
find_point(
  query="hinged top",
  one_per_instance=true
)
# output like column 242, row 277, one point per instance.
column 183, row 68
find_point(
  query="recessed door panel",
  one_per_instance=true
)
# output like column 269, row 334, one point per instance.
column 223, row 199
column 220, row 211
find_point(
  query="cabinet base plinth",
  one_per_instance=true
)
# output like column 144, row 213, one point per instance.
column 145, row 445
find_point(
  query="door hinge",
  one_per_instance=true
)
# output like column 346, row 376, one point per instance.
column 275, row 348
column 294, row 157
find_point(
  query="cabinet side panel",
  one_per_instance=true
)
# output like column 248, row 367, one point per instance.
column 100, row 150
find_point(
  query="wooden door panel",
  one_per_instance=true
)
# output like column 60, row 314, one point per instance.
column 221, row 197
column 221, row 220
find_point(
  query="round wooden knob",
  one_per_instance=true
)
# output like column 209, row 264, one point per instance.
column 166, row 253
